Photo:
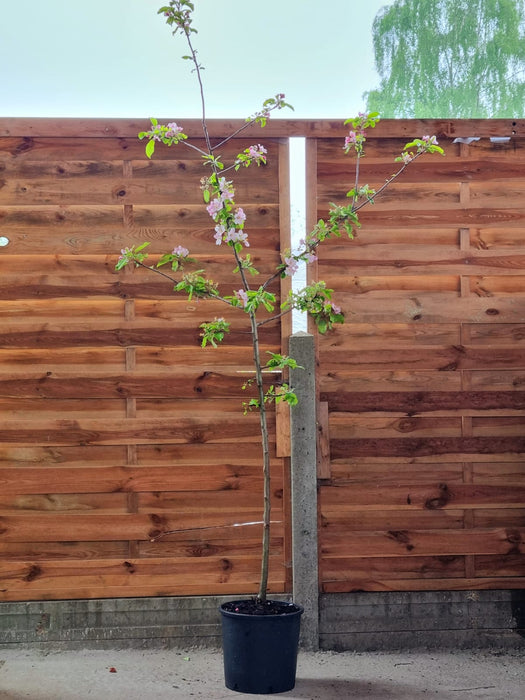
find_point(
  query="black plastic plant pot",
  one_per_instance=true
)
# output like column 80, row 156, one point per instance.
column 260, row 649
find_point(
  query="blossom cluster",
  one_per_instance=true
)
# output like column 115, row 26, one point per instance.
column 219, row 197
column 252, row 154
column 169, row 134
column 229, row 221
column 357, row 135
column 242, row 296
column 180, row 251
column 305, row 253
column 426, row 144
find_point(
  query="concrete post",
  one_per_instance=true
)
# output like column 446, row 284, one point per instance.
column 304, row 488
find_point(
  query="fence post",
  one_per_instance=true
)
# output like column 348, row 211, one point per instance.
column 304, row 488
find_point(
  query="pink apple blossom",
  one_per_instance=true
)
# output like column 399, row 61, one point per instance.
column 226, row 191
column 181, row 251
column 257, row 153
column 220, row 230
column 241, row 295
column 239, row 217
column 173, row 129
column 291, row 266
column 214, row 207
column 237, row 236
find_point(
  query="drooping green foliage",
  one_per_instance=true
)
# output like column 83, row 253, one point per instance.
column 450, row 59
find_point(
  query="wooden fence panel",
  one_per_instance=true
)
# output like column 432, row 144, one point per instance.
column 424, row 479
column 115, row 426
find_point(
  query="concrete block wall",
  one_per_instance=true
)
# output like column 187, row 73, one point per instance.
column 112, row 623
column 422, row 620
column 353, row 621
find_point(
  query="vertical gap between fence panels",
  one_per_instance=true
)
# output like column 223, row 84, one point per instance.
column 323, row 434
column 282, row 410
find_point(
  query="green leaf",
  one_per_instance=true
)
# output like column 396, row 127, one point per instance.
column 122, row 262
column 150, row 148
column 165, row 259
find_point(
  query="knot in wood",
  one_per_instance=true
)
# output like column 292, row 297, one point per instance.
column 407, row 425
column 439, row 501
column 33, row 573
column 402, row 537
column 202, row 550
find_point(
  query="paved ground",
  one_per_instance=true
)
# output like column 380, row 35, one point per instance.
column 176, row 675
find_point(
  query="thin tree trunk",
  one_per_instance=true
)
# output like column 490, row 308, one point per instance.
column 265, row 557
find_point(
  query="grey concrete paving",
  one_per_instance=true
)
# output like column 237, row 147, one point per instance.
column 184, row 675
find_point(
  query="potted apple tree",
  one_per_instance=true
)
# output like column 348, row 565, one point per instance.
column 260, row 635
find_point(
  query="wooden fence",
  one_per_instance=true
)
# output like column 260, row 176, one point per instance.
column 116, row 427
column 422, row 389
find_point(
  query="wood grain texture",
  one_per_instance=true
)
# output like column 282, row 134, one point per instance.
column 424, row 383
column 112, row 417
column 117, row 427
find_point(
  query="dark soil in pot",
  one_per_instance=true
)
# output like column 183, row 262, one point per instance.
column 253, row 606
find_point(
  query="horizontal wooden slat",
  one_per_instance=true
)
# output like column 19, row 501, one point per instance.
column 509, row 565
column 408, row 261
column 377, row 568
column 441, row 359
column 150, row 455
column 430, row 308
column 481, row 168
column 436, row 584
column 336, row 518
column 387, row 141
column 77, row 527
column 448, row 542
column 100, row 230
column 124, row 479
column 499, row 518
column 74, row 285
column 51, row 579
column 430, row 496
column 35, row 551
column 128, row 128
column 215, row 427
column 446, row 447
column 436, row 402
column 344, row 426
column 95, row 503
column 337, row 377
column 206, row 384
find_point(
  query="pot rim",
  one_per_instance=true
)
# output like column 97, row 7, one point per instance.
column 299, row 610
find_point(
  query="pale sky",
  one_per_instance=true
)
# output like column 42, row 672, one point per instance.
column 117, row 58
